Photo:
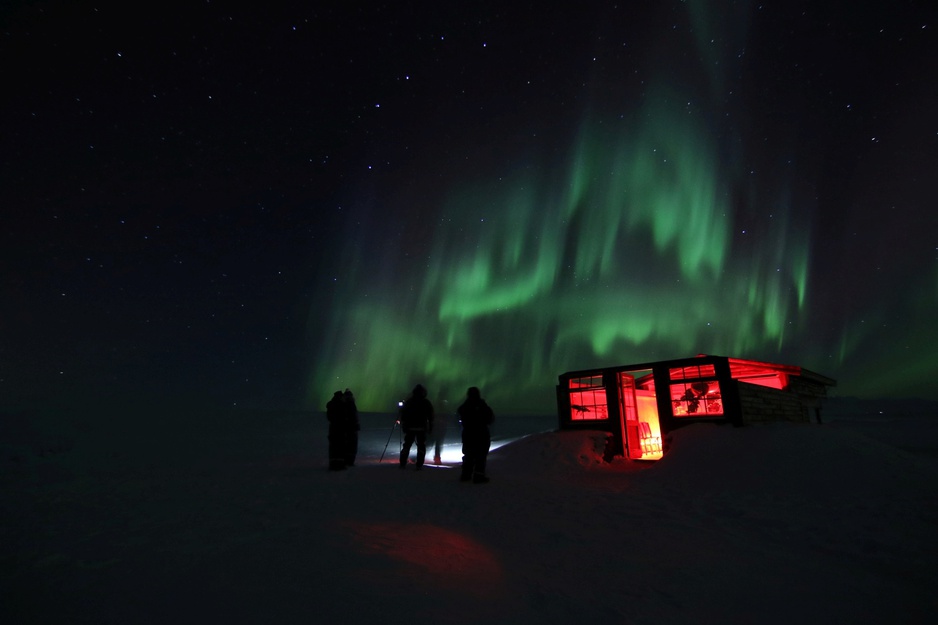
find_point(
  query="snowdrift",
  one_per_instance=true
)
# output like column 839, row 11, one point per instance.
column 234, row 518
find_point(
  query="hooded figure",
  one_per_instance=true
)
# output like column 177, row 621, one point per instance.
column 416, row 423
column 476, row 417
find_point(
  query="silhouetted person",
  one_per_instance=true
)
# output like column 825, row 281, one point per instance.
column 352, row 426
column 335, row 413
column 476, row 417
column 416, row 423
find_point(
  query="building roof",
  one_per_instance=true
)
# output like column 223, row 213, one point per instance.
column 739, row 368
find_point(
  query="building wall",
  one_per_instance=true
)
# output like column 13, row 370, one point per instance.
column 761, row 404
column 812, row 394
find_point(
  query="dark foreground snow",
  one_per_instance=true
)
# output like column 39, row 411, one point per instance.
column 234, row 519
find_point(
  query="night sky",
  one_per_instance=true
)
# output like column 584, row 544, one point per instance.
column 213, row 205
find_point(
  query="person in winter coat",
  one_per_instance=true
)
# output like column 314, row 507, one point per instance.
column 416, row 423
column 476, row 417
column 336, row 415
column 352, row 427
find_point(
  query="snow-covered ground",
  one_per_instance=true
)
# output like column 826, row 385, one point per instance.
column 158, row 517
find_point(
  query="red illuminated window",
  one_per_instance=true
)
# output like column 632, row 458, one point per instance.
column 588, row 399
column 592, row 381
column 700, row 398
column 690, row 373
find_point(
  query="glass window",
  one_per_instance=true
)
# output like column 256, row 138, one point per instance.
column 591, row 381
column 588, row 399
column 696, row 399
column 690, row 373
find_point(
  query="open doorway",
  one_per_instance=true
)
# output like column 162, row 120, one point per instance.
column 638, row 407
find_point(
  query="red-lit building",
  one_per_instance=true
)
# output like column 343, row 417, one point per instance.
column 641, row 403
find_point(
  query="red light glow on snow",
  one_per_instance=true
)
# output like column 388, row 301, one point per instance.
column 432, row 555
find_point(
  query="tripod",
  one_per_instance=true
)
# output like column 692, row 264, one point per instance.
column 390, row 434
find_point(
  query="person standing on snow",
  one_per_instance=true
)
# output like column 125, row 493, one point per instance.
column 416, row 423
column 476, row 417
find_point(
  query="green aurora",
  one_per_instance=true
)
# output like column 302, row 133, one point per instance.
column 632, row 254
column 659, row 232
column 245, row 207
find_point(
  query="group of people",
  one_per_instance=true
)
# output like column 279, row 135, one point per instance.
column 417, row 424
column 343, row 430
column 475, row 417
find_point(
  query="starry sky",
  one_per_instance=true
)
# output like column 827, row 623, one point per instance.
column 213, row 204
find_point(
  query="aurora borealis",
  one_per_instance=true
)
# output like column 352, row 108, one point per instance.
column 630, row 253
column 260, row 207
column 665, row 227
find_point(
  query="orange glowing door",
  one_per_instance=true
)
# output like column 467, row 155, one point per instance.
column 641, row 430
